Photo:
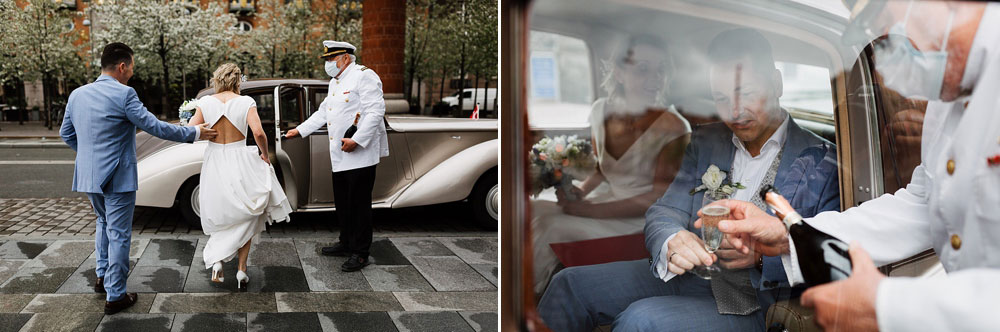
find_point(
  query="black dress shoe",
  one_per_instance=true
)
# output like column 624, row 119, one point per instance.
column 99, row 286
column 111, row 308
column 338, row 249
column 355, row 263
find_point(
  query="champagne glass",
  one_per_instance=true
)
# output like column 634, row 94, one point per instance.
column 712, row 213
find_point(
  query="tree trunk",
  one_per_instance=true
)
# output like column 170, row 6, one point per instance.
column 420, row 87
column 475, row 92
column 444, row 74
column 47, row 99
column 184, row 84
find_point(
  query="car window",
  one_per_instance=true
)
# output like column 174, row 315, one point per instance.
column 467, row 94
column 629, row 105
column 291, row 108
column 265, row 105
column 317, row 96
column 561, row 90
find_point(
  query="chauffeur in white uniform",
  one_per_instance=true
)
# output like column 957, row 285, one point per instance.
column 354, row 90
column 949, row 54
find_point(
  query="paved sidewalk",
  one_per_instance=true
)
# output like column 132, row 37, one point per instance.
column 30, row 129
column 414, row 284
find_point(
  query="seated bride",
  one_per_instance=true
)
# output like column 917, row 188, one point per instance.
column 638, row 140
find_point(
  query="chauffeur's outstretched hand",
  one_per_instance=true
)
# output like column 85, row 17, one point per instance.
column 848, row 305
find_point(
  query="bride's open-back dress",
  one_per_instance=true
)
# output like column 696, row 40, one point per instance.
column 239, row 192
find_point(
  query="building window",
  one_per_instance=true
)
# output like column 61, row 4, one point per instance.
column 243, row 26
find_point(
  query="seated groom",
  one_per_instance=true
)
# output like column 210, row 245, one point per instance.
column 758, row 144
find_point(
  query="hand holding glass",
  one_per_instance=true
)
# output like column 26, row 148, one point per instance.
column 711, row 215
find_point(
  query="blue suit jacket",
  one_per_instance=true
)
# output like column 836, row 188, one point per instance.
column 807, row 176
column 99, row 125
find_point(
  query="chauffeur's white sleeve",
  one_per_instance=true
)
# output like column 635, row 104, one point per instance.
column 889, row 228
column 372, row 108
column 316, row 120
column 964, row 301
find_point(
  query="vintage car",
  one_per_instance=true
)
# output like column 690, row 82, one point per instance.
column 554, row 62
column 431, row 160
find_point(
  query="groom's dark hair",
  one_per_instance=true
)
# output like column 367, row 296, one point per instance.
column 114, row 54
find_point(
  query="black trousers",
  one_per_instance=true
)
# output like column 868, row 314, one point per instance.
column 352, row 194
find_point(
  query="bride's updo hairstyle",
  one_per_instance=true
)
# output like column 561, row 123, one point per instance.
column 227, row 78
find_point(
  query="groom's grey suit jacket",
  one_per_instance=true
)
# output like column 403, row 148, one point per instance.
column 807, row 176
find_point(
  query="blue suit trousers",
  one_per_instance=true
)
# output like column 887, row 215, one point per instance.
column 113, row 238
column 627, row 296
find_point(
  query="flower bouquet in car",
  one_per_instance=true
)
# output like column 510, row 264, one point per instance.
column 556, row 161
column 186, row 111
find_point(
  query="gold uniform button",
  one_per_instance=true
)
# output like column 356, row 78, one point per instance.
column 956, row 242
column 331, row 138
column 951, row 166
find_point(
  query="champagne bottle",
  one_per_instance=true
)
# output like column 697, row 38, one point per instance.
column 822, row 258
column 354, row 127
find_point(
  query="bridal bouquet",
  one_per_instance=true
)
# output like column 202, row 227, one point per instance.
column 556, row 161
column 186, row 111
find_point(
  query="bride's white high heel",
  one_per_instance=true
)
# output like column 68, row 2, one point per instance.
column 217, row 272
column 242, row 279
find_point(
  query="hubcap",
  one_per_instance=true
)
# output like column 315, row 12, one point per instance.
column 195, row 206
column 493, row 201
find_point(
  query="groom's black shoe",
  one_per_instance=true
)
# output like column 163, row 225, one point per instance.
column 99, row 286
column 355, row 263
column 111, row 308
column 338, row 249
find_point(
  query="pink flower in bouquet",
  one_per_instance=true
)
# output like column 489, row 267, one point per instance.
column 557, row 174
column 559, row 148
column 565, row 163
column 543, row 156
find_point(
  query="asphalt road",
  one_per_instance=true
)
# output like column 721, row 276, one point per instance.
column 36, row 172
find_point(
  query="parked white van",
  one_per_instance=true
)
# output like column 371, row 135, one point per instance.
column 485, row 97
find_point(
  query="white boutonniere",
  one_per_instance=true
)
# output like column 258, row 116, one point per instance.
column 714, row 180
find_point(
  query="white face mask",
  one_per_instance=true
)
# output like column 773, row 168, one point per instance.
column 909, row 72
column 332, row 69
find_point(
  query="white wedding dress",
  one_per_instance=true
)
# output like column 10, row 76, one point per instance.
column 239, row 192
column 628, row 176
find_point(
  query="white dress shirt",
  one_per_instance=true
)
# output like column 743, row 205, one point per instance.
column 356, row 90
column 956, row 212
column 747, row 170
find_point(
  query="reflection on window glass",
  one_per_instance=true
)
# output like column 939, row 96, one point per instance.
column 560, row 82
column 806, row 87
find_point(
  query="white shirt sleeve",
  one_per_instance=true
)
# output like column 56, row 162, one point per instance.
column 316, row 120
column 661, row 264
column 873, row 223
column 963, row 301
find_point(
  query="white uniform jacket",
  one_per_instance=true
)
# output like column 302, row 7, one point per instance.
column 953, row 209
column 357, row 90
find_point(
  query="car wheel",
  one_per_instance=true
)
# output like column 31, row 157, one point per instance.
column 485, row 199
column 188, row 202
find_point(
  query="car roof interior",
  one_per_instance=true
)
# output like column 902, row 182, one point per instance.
column 604, row 25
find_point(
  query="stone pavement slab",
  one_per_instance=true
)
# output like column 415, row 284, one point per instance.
column 285, row 321
column 67, row 303
column 336, row 301
column 400, row 278
column 273, row 252
column 36, row 280
column 14, row 302
column 323, row 272
column 481, row 321
column 356, row 321
column 473, row 250
column 157, row 279
column 22, row 249
column 430, row 321
column 135, row 250
column 13, row 322
column 489, row 271
column 199, row 279
column 213, row 303
column 233, row 322
column 270, row 279
column 82, row 280
column 9, row 267
column 383, row 252
column 167, row 252
column 75, row 321
column 63, row 253
column 426, row 246
column 136, row 322
column 450, row 273
column 441, row 301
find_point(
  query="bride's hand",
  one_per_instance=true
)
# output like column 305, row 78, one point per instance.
column 265, row 158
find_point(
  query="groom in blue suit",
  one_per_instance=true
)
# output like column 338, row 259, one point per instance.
column 100, row 123
column 758, row 144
